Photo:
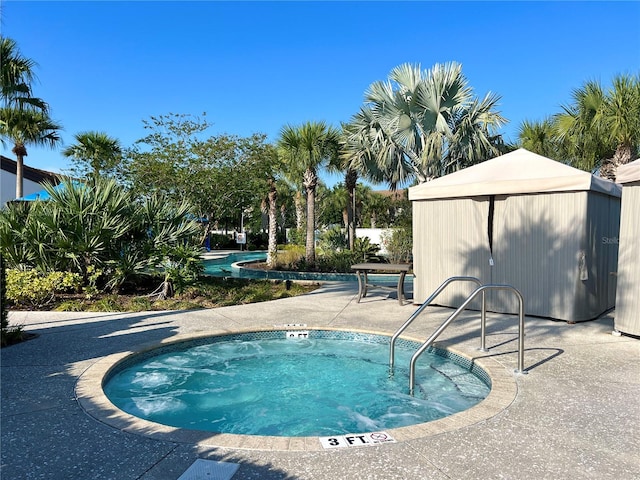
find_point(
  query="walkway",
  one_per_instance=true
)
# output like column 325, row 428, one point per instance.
column 576, row 415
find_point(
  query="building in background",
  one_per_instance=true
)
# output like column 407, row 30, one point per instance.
column 33, row 180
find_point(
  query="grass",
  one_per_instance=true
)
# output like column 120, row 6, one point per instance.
column 209, row 292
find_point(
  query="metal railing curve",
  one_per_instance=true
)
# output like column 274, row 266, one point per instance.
column 426, row 303
column 459, row 310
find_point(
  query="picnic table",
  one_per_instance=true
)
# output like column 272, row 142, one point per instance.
column 363, row 269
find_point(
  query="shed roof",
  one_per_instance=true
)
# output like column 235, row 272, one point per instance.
column 629, row 173
column 518, row 172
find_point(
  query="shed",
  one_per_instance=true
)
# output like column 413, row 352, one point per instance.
column 524, row 220
column 627, row 318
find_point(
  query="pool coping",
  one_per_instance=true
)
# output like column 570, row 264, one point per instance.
column 92, row 399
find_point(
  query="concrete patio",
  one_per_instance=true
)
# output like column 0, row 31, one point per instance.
column 575, row 415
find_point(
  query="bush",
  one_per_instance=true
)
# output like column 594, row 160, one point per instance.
column 71, row 306
column 257, row 241
column 297, row 236
column 337, row 262
column 8, row 334
column 220, row 241
column 36, row 289
column 399, row 245
column 96, row 229
column 288, row 257
column 333, row 239
column 365, row 251
column 110, row 303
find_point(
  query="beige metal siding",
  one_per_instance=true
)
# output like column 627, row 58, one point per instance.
column 627, row 314
column 559, row 250
column 536, row 250
column 450, row 239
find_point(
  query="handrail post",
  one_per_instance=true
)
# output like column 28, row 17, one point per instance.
column 521, row 334
column 460, row 309
column 483, row 323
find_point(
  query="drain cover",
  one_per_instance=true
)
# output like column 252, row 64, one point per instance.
column 209, row 470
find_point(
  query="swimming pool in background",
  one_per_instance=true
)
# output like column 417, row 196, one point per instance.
column 319, row 382
column 231, row 266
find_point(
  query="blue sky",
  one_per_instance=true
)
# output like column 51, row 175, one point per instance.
column 256, row 66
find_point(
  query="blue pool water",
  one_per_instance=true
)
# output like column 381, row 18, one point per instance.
column 225, row 267
column 265, row 384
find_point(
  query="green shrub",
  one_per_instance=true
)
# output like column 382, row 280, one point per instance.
column 71, row 306
column 109, row 303
column 297, row 236
column 35, row 289
column 257, row 241
column 364, row 250
column 4, row 314
column 288, row 258
column 139, row 304
column 171, row 304
column 399, row 245
column 220, row 241
column 333, row 239
column 182, row 266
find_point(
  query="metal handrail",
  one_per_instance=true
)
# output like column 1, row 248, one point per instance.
column 454, row 315
column 426, row 303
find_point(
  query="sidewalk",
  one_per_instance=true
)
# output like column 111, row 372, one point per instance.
column 575, row 415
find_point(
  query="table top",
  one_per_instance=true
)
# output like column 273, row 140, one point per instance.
column 386, row 267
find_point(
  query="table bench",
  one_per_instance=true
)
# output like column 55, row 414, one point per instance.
column 363, row 269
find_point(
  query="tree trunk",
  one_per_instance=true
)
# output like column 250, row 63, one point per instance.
column 20, row 152
column 19, row 176
column 273, row 223
column 350, row 181
column 299, row 209
column 310, row 183
column 622, row 156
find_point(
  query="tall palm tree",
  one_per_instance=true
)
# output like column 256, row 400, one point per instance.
column 343, row 164
column 17, row 75
column 579, row 129
column 272, row 197
column 622, row 118
column 24, row 119
column 358, row 160
column 94, row 153
column 420, row 125
column 308, row 147
column 27, row 127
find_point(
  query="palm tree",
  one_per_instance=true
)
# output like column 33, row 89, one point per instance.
column 27, row 127
column 357, row 160
column 17, row 75
column 272, row 202
column 603, row 127
column 420, row 125
column 342, row 163
column 273, row 168
column 24, row 119
column 307, row 147
column 579, row 129
column 539, row 137
column 376, row 205
column 622, row 118
column 94, row 153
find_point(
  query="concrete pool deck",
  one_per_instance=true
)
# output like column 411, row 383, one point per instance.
column 575, row 415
